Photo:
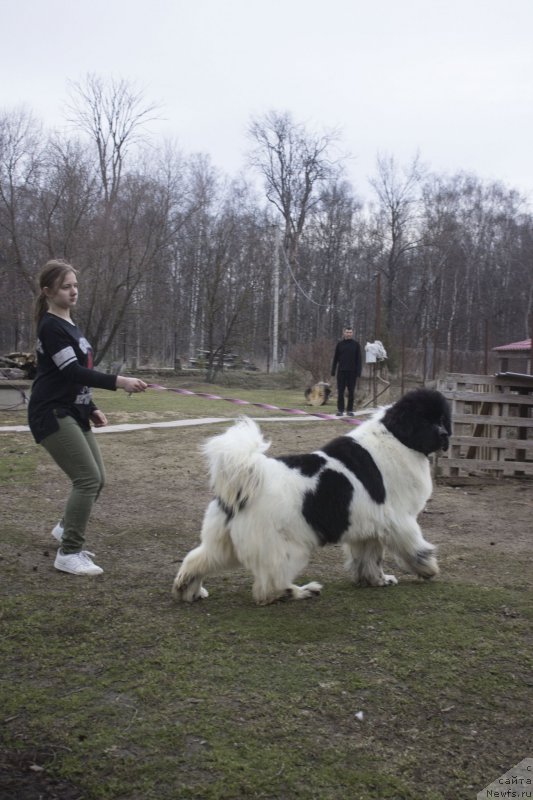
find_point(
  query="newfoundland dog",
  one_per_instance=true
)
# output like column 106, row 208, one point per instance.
column 363, row 490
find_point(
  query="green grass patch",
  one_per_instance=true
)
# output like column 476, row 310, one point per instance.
column 18, row 458
column 226, row 700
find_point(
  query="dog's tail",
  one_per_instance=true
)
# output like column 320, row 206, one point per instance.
column 236, row 464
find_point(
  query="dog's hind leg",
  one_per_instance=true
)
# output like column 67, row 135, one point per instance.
column 365, row 563
column 215, row 554
column 413, row 552
column 274, row 572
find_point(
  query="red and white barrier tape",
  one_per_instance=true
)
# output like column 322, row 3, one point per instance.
column 266, row 406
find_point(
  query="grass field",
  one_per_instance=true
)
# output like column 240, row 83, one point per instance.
column 161, row 405
column 111, row 691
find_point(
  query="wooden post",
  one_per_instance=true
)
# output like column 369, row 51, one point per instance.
column 402, row 365
column 531, row 345
column 378, row 306
column 486, row 361
column 275, row 321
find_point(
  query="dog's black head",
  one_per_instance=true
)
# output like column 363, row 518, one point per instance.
column 420, row 420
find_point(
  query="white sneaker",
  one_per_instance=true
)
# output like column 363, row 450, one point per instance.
column 58, row 531
column 77, row 563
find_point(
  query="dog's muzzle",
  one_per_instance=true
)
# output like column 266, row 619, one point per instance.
column 444, row 437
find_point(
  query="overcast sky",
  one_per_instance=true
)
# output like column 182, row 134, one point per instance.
column 451, row 79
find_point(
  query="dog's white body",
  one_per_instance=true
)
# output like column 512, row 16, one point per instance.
column 270, row 514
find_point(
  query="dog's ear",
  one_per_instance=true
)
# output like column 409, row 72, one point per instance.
column 399, row 419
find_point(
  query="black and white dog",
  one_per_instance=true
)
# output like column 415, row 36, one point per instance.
column 363, row 490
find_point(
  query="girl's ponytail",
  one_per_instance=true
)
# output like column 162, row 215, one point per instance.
column 39, row 309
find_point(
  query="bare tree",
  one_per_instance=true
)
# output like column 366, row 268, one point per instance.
column 68, row 198
column 113, row 114
column 396, row 224
column 294, row 163
column 329, row 257
column 21, row 163
column 231, row 275
column 130, row 225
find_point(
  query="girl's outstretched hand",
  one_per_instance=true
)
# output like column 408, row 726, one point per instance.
column 131, row 385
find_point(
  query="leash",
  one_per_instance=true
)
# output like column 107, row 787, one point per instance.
column 238, row 402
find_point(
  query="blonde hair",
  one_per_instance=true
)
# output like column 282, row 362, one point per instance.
column 50, row 277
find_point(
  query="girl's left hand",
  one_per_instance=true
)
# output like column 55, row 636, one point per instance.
column 98, row 418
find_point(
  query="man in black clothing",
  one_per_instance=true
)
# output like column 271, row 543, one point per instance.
column 347, row 363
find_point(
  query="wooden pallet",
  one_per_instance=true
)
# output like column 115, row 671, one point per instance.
column 492, row 418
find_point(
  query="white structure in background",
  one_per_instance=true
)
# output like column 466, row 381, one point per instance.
column 375, row 352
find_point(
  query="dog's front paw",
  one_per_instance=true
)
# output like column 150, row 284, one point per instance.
column 294, row 592
column 390, row 580
column 188, row 592
column 312, row 588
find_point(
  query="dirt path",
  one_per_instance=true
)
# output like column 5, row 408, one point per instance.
column 157, row 482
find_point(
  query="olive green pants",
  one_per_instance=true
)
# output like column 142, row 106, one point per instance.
column 76, row 452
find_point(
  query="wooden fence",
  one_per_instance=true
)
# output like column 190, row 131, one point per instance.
column 492, row 418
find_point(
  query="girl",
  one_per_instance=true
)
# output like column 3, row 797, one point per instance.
column 61, row 409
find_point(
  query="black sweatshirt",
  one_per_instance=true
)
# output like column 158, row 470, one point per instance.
column 62, row 386
column 347, row 357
